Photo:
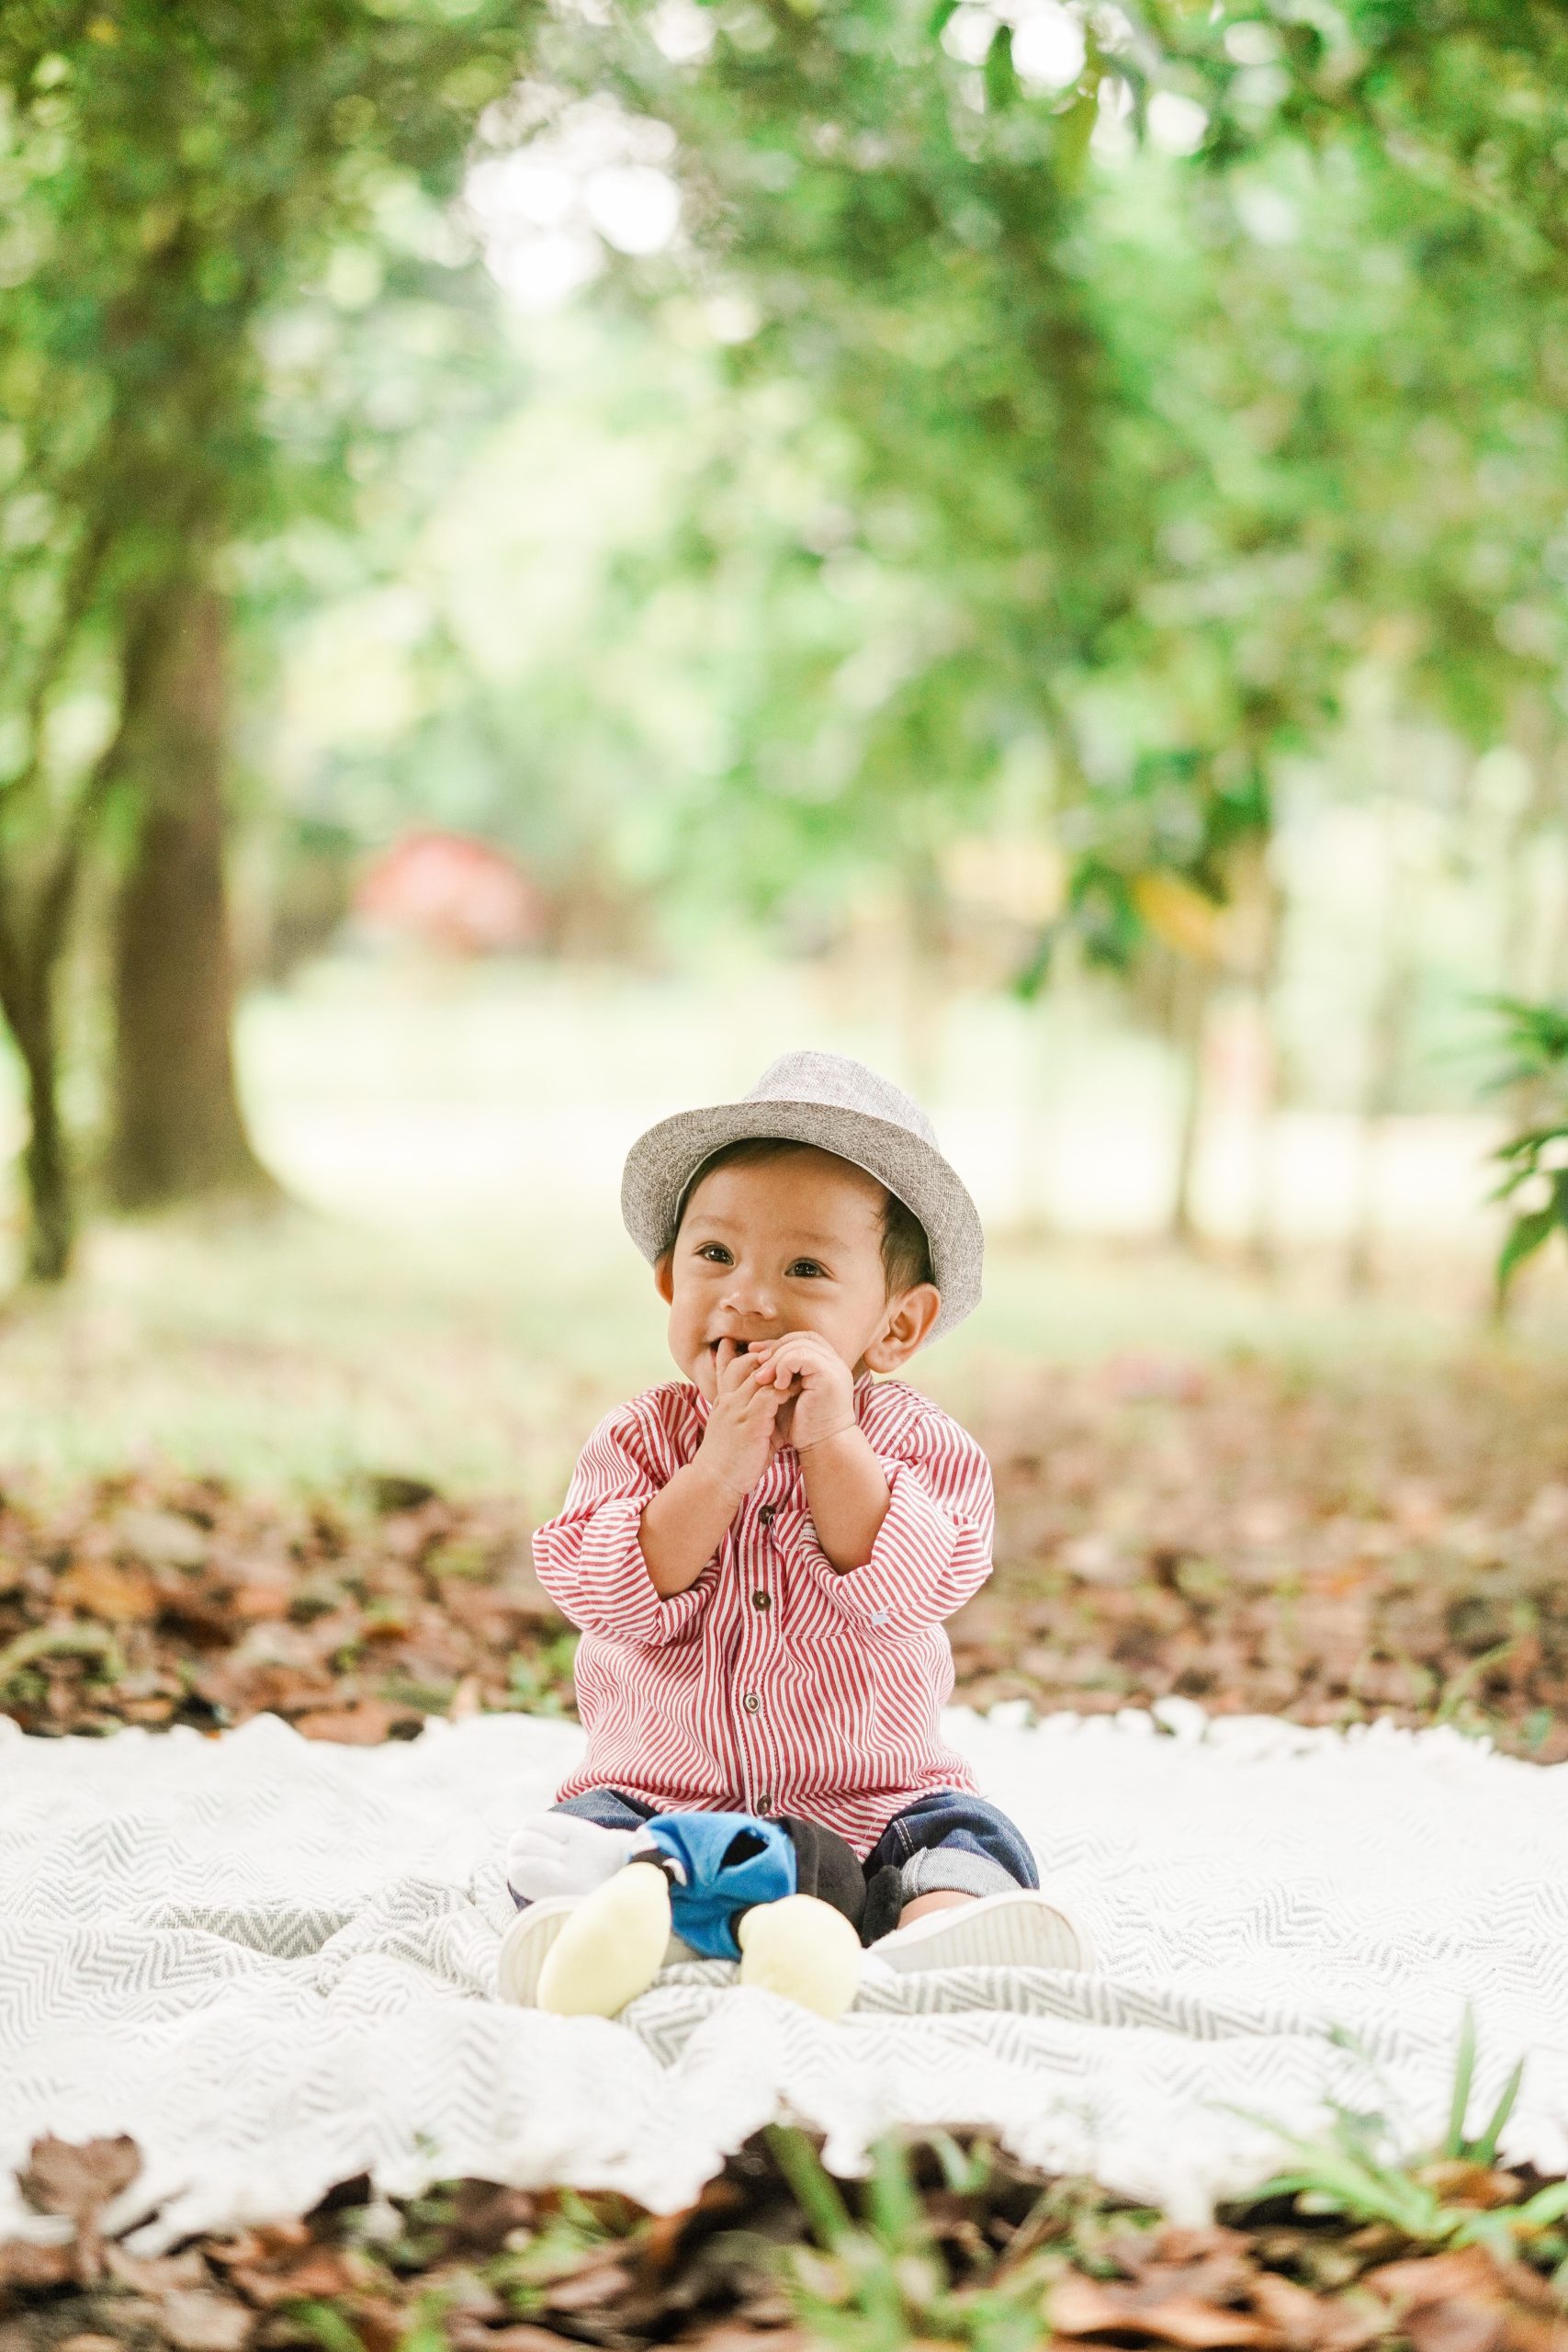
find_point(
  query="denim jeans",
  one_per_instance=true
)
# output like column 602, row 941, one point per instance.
column 945, row 1840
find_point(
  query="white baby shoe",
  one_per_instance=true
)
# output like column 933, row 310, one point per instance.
column 1020, row 1928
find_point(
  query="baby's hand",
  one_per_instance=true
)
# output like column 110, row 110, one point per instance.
column 816, row 1382
column 741, row 1436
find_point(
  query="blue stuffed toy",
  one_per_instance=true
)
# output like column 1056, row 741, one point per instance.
column 719, row 1865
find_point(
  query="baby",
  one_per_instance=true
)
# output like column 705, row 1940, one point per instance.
column 761, row 1555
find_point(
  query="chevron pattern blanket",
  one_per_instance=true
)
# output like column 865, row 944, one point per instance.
column 271, row 1961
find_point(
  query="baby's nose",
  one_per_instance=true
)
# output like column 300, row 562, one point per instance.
column 750, row 1295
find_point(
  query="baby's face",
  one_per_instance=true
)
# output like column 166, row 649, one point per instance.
column 793, row 1244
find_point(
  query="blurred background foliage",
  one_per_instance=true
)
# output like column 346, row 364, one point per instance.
column 1027, row 538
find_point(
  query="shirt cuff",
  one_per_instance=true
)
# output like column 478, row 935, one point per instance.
column 606, row 1588
column 923, row 1564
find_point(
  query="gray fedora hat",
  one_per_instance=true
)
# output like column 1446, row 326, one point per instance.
column 842, row 1107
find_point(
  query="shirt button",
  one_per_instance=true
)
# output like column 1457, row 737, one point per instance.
column 762, row 1601
column 764, row 1799
column 750, row 1702
column 765, row 1516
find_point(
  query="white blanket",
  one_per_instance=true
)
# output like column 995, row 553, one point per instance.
column 272, row 1962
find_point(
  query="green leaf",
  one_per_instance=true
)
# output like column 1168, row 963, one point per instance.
column 1464, row 2076
column 1484, row 2150
column 814, row 2190
column 1525, row 1237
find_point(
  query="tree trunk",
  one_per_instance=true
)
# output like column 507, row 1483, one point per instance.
column 1193, row 988
column 178, row 1132
column 51, row 1223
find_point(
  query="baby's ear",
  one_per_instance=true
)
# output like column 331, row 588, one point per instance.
column 664, row 1277
column 908, row 1328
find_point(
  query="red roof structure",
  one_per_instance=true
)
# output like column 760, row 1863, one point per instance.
column 455, row 894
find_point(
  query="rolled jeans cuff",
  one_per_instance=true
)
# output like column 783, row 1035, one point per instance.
column 953, row 1869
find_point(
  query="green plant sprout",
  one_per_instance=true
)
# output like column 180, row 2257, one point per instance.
column 1351, row 2171
column 880, row 2284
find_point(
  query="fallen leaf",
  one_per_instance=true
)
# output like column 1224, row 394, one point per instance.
column 154, row 2274
column 198, row 2319
column 1081, row 2306
column 364, row 1725
column 29, row 2270
column 485, row 2216
column 315, row 2276
column 77, row 2179
column 165, row 1539
column 1533, row 2332
column 668, row 2234
column 587, row 2290
column 1456, row 2323
column 1427, row 2278
column 379, row 2323
column 1461, row 2183
column 119, row 1596
column 262, row 1603
column 1316, row 2323
column 468, row 2336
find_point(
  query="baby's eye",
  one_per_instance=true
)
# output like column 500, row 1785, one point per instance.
column 715, row 1253
column 806, row 1266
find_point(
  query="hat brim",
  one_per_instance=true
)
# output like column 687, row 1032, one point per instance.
column 662, row 1164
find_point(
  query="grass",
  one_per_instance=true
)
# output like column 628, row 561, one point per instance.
column 302, row 1350
column 455, row 1297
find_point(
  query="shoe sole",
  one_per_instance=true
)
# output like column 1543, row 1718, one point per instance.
column 526, row 1947
column 998, row 1931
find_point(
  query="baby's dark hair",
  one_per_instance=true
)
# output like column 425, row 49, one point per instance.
column 906, row 1253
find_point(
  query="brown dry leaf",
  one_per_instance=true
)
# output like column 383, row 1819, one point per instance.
column 28, row 2270
column 599, row 2282
column 485, row 2215
column 467, row 2335
column 1082, row 2306
column 262, row 1603
column 1532, row 2330
column 117, row 1596
column 165, row 1539
column 1316, row 2323
column 667, row 2235
column 90, row 2344
column 264, row 2241
column 1429, row 2277
column 734, row 2335
column 363, row 1726
column 1456, row 2323
column 200, row 2320
column 154, row 2274
column 77, row 2179
column 379, row 2323
column 1459, row 2183
column 318, row 2275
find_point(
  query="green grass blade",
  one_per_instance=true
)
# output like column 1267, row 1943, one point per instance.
column 813, row 2188
column 897, row 2214
column 1484, row 2150
column 1464, row 2076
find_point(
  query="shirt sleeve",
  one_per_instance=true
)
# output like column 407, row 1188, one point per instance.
column 588, row 1559
column 933, row 1552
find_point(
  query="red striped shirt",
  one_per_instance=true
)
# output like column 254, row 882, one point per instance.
column 774, row 1684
